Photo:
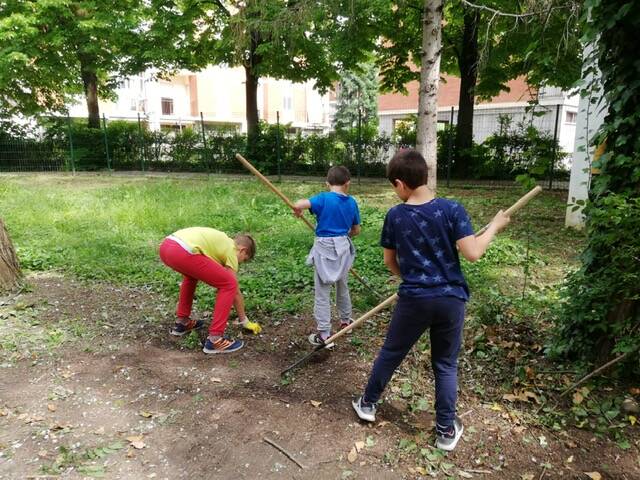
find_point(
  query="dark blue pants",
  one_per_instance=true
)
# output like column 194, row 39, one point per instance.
column 444, row 317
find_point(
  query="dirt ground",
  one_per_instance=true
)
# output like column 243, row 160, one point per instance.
column 92, row 385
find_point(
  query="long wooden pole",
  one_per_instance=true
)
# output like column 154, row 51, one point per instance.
column 342, row 332
column 284, row 198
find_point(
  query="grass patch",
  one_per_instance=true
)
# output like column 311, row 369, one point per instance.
column 109, row 228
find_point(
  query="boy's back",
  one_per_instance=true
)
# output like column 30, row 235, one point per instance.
column 336, row 213
column 424, row 237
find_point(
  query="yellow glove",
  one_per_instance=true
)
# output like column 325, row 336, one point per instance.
column 253, row 327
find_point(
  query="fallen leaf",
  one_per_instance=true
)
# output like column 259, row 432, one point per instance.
column 577, row 398
column 526, row 476
column 52, row 407
column 569, row 460
column 136, row 441
column 382, row 423
column 359, row 446
column 464, row 474
column 353, row 455
column 593, row 475
column 130, row 453
column 543, row 441
column 421, row 470
column 216, row 379
column 99, row 431
column 315, row 403
column 496, row 408
column 632, row 420
column 3, row 412
column 145, row 414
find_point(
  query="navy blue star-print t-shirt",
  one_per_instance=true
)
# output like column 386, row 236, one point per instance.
column 424, row 238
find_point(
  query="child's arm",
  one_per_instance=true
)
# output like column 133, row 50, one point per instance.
column 355, row 230
column 472, row 247
column 300, row 206
column 391, row 261
column 238, row 303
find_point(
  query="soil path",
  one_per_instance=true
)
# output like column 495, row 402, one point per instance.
column 92, row 386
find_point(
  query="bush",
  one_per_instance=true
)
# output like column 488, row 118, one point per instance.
column 515, row 151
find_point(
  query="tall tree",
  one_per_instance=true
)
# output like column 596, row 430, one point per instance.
column 53, row 50
column 9, row 267
column 295, row 40
column 426, row 129
column 357, row 98
column 486, row 44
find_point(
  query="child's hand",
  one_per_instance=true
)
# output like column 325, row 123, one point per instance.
column 500, row 221
column 297, row 211
column 253, row 327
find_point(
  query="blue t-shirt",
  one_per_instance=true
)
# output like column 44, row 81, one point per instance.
column 424, row 238
column 335, row 213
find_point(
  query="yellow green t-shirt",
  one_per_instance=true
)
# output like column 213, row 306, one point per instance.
column 211, row 242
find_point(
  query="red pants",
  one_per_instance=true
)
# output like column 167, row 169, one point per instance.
column 196, row 267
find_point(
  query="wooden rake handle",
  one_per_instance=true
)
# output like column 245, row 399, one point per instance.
column 271, row 186
column 362, row 319
column 516, row 206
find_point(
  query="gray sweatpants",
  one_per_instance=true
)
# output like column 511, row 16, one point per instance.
column 322, row 302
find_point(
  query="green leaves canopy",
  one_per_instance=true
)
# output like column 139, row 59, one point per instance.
column 45, row 45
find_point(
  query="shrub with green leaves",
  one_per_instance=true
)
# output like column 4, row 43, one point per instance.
column 601, row 310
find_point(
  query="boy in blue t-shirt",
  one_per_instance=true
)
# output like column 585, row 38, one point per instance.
column 332, row 255
column 421, row 239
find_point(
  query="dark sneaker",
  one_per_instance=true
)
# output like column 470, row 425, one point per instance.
column 366, row 411
column 222, row 345
column 180, row 329
column 447, row 438
column 316, row 340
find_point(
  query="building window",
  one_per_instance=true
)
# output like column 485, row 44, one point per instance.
column 287, row 103
column 571, row 117
column 167, row 106
column 133, row 106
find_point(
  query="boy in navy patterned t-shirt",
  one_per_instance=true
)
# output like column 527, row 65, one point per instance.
column 421, row 239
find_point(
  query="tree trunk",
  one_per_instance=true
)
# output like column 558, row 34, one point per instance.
column 9, row 266
column 468, row 64
column 90, row 83
column 426, row 135
column 251, row 101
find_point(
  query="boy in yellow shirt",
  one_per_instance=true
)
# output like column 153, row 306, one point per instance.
column 209, row 255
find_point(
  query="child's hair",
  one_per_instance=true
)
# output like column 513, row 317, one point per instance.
column 248, row 242
column 338, row 175
column 409, row 166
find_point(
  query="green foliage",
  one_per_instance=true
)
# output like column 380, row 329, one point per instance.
column 517, row 150
column 601, row 307
column 357, row 99
column 47, row 47
column 544, row 46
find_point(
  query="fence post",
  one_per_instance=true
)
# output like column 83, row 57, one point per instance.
column 555, row 148
column 141, row 142
column 106, row 141
column 204, row 143
column 278, row 144
column 449, row 148
column 73, row 161
column 359, row 151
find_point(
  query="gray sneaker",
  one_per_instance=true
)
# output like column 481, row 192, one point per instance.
column 366, row 411
column 447, row 439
